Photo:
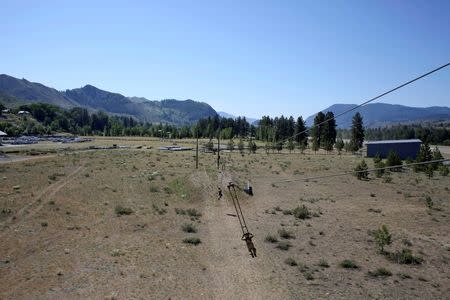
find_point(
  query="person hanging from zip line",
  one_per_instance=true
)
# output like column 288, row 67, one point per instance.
column 247, row 237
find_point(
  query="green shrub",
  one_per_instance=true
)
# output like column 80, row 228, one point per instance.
column 192, row 212
column 443, row 170
column 348, row 264
column 189, row 228
column 290, row 261
column 361, row 170
column 323, row 263
column 287, row 212
column 393, row 159
column 405, row 257
column 285, row 234
column 120, row 210
column 160, row 211
column 308, row 275
column 271, row 239
column 380, row 272
column 284, row 245
column 382, row 238
column 192, row 240
column 429, row 202
column 302, row 212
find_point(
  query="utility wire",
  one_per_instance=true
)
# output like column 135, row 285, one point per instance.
column 371, row 100
column 363, row 171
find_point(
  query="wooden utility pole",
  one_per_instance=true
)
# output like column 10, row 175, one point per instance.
column 196, row 153
column 218, row 150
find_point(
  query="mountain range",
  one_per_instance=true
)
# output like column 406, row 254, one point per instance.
column 383, row 114
column 228, row 116
column 14, row 91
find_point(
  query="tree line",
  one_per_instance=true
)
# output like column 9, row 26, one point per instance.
column 49, row 119
column 437, row 134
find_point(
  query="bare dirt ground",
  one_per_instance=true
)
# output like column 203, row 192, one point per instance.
column 62, row 238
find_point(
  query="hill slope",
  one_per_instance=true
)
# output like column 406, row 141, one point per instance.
column 166, row 111
column 382, row 114
column 33, row 92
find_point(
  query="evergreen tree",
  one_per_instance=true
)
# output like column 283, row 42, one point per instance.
column 424, row 155
column 301, row 135
column 290, row 145
column 393, row 159
column 357, row 138
column 329, row 132
column 378, row 162
column 436, row 156
column 361, row 170
column 317, row 131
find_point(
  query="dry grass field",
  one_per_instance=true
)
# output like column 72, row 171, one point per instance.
column 138, row 223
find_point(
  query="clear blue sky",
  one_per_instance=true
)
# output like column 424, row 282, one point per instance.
column 251, row 58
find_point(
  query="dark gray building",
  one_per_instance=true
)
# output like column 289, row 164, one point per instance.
column 404, row 148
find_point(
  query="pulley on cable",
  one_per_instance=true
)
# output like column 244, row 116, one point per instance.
column 247, row 236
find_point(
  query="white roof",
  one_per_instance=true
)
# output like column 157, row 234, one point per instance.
column 2, row 133
column 394, row 142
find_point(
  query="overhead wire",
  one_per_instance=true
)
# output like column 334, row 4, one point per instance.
column 356, row 172
column 369, row 101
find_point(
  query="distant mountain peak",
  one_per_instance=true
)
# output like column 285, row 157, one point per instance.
column 383, row 114
column 169, row 111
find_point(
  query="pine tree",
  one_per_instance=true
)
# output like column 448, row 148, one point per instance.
column 317, row 131
column 329, row 132
column 290, row 145
column 393, row 159
column 301, row 135
column 437, row 156
column 357, row 138
column 424, row 155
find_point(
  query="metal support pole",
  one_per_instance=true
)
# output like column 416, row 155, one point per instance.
column 196, row 154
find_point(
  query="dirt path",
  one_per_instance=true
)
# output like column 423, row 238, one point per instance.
column 36, row 205
column 5, row 159
column 234, row 274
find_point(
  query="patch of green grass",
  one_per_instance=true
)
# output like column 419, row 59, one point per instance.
column 405, row 257
column 285, row 234
column 302, row 212
column 380, row 272
column 284, row 245
column 271, row 238
column 192, row 241
column 287, row 212
column 348, row 264
column 189, row 228
column 308, row 275
column 120, row 210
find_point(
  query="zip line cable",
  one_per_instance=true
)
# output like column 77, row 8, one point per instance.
column 356, row 172
column 237, row 207
column 370, row 100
